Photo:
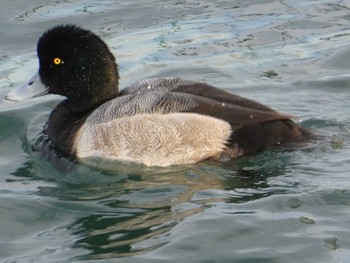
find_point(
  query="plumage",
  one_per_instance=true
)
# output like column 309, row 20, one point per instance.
column 154, row 139
column 157, row 122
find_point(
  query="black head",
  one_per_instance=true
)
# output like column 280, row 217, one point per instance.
column 77, row 64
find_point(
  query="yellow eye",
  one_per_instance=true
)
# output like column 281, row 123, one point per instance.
column 57, row 61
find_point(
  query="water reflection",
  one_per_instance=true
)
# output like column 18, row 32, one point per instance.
column 135, row 210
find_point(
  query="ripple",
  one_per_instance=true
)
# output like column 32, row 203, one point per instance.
column 276, row 206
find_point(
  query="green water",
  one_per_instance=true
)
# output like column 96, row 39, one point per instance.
column 290, row 206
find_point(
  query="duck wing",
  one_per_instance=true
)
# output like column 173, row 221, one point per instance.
column 192, row 87
column 166, row 95
column 235, row 114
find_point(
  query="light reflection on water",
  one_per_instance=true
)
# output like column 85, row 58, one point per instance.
column 273, row 207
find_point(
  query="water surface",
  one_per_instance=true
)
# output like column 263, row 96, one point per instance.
column 277, row 206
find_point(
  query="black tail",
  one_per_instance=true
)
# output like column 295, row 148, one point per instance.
column 259, row 136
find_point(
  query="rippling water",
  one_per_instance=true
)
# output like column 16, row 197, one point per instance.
column 272, row 207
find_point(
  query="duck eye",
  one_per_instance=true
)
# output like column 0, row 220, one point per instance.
column 57, row 61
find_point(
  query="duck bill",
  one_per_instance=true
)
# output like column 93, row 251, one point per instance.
column 32, row 88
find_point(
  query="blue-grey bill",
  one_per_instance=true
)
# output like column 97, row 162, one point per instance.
column 33, row 88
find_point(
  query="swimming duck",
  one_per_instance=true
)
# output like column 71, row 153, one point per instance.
column 157, row 122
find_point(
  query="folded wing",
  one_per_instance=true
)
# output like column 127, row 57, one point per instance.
column 168, row 95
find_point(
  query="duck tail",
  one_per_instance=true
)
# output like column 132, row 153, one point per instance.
column 256, row 137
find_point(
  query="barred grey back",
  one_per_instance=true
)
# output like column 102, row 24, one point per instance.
column 156, row 84
column 142, row 102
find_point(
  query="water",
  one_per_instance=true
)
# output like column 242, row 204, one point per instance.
column 276, row 206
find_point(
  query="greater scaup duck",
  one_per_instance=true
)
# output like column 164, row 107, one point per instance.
column 157, row 122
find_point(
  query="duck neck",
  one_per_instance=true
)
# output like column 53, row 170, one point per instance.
column 71, row 107
column 65, row 121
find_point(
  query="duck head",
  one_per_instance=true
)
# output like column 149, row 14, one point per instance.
column 75, row 63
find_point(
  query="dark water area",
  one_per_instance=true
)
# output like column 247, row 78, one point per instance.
column 276, row 206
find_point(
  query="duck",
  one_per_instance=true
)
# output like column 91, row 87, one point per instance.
column 154, row 122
